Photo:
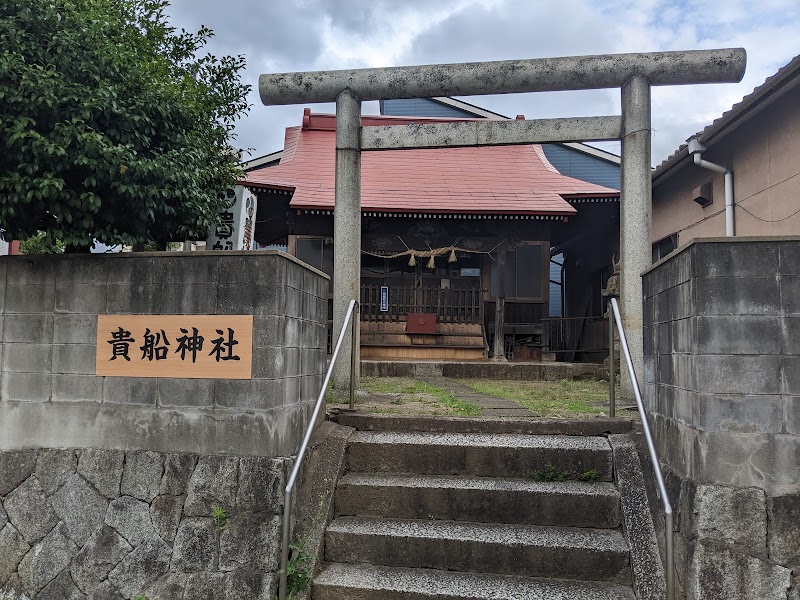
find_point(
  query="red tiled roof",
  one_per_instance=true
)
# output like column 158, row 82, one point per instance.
column 475, row 180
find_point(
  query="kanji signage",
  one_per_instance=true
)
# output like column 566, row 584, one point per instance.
column 234, row 231
column 180, row 346
column 384, row 298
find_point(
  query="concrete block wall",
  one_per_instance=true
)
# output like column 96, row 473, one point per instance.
column 721, row 381
column 50, row 397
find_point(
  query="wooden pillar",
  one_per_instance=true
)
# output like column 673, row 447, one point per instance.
column 500, row 306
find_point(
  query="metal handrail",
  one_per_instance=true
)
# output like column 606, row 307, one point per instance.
column 352, row 308
column 662, row 489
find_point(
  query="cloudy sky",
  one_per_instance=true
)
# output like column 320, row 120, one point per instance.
column 303, row 35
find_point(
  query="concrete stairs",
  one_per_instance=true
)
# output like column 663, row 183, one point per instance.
column 456, row 515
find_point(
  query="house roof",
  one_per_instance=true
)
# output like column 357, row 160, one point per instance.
column 482, row 112
column 264, row 160
column 274, row 157
column 760, row 98
column 489, row 180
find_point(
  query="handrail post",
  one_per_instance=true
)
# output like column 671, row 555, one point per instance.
column 287, row 499
column 670, row 574
column 612, row 371
column 669, row 569
column 355, row 323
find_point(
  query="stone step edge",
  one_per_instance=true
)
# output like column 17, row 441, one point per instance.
column 457, row 584
column 603, row 489
column 519, row 441
column 543, row 536
column 599, row 426
column 480, row 499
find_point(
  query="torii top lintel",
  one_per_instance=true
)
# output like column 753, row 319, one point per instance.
column 506, row 76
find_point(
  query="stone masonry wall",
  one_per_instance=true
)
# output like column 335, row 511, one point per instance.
column 107, row 524
column 51, row 398
column 722, row 383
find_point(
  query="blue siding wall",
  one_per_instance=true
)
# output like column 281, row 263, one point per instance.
column 420, row 107
column 582, row 166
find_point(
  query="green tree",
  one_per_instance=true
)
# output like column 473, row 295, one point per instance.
column 113, row 126
column 41, row 243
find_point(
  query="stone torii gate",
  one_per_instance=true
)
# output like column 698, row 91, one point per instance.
column 634, row 74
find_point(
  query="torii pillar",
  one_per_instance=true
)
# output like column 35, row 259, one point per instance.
column 347, row 232
column 634, row 209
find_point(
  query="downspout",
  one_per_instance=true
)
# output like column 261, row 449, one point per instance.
column 696, row 149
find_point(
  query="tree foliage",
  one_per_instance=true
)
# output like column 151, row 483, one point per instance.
column 41, row 243
column 112, row 125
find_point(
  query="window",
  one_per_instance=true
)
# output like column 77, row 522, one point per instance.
column 525, row 271
column 556, row 285
column 316, row 251
column 664, row 246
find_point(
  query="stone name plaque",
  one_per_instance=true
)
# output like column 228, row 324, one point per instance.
column 175, row 346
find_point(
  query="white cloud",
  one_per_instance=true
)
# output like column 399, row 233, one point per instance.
column 384, row 42
column 337, row 34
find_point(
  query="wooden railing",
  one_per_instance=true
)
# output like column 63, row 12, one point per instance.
column 449, row 305
column 575, row 334
column 516, row 313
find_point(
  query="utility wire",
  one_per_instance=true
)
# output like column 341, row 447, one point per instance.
column 768, row 220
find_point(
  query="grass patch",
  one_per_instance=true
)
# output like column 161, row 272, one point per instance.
column 298, row 569
column 564, row 398
column 397, row 385
column 549, row 473
column 460, row 407
column 220, row 516
column 403, row 395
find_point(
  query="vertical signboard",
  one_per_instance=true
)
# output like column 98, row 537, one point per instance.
column 384, row 298
column 236, row 225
